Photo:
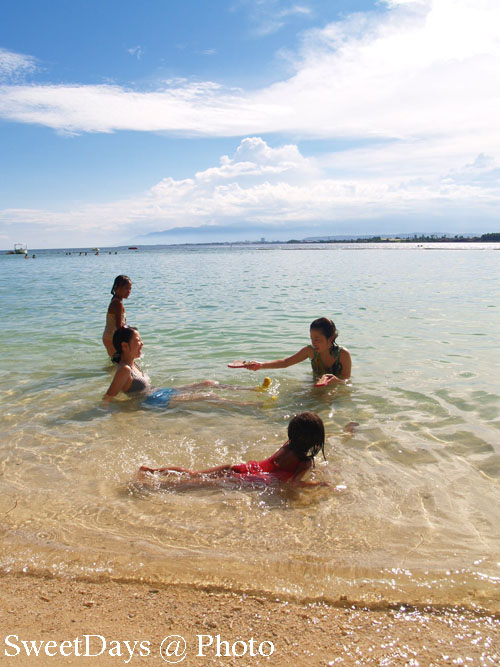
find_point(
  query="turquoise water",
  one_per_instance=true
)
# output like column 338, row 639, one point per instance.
column 413, row 512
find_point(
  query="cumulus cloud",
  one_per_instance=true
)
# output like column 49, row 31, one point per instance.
column 276, row 191
column 254, row 160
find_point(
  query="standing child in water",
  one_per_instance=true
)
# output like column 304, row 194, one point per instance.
column 329, row 361
column 306, row 437
column 115, row 317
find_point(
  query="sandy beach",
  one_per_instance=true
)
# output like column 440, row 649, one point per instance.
column 54, row 614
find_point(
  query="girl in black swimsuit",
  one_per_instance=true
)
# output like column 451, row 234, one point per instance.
column 329, row 361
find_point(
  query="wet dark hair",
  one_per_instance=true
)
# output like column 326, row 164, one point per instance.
column 122, row 335
column 328, row 329
column 119, row 282
column 306, row 434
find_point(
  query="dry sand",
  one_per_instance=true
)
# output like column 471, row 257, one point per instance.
column 43, row 610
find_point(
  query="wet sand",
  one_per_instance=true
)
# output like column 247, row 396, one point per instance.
column 61, row 611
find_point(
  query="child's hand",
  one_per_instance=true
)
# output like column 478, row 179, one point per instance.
column 350, row 427
column 252, row 365
column 333, row 379
column 327, row 379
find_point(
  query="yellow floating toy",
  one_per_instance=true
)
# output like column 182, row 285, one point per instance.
column 266, row 383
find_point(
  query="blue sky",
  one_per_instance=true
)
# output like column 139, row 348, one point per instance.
column 188, row 120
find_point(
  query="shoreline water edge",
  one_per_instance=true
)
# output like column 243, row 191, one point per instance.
column 67, row 621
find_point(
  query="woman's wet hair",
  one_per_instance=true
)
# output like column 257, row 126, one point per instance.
column 120, row 281
column 306, row 434
column 122, row 335
column 327, row 328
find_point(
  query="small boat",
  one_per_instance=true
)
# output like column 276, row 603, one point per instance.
column 133, row 247
column 20, row 249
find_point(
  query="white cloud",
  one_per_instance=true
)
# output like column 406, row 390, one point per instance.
column 272, row 20
column 136, row 51
column 421, row 69
column 13, row 65
column 281, row 190
column 413, row 92
column 254, row 159
column 269, row 16
column 190, row 108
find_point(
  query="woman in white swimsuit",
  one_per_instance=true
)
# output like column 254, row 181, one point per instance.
column 131, row 380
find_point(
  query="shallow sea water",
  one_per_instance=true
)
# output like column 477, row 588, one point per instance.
column 412, row 516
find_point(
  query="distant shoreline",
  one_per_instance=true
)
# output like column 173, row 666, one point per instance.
column 432, row 238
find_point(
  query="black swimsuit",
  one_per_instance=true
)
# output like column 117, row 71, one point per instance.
column 319, row 367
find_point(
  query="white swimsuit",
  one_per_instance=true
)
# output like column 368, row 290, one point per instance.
column 140, row 381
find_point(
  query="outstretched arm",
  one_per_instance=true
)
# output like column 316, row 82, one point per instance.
column 218, row 471
column 296, row 358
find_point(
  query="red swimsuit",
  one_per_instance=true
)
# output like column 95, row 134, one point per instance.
column 265, row 470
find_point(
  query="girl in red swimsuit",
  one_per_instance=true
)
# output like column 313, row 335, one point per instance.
column 306, row 437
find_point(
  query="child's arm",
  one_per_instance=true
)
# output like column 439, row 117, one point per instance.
column 345, row 360
column 121, row 382
column 296, row 358
column 312, row 483
column 302, row 469
column 217, row 471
